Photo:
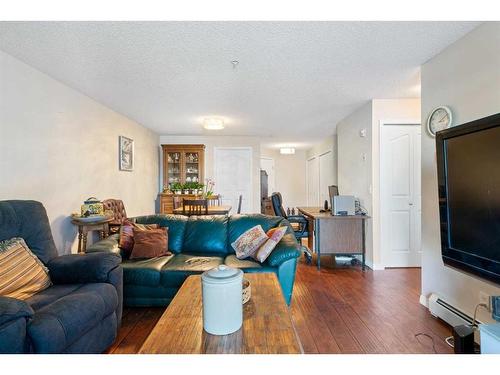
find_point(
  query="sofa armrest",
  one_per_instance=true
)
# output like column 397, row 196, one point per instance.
column 87, row 268
column 287, row 248
column 297, row 219
column 12, row 309
column 108, row 245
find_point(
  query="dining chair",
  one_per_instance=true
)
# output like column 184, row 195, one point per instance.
column 240, row 199
column 177, row 202
column 195, row 207
column 214, row 200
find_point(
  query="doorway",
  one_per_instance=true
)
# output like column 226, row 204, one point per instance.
column 400, row 195
column 233, row 176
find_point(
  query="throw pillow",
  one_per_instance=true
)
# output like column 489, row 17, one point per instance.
column 22, row 274
column 249, row 242
column 274, row 236
column 150, row 243
column 127, row 234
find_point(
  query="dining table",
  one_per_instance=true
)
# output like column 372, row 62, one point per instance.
column 212, row 210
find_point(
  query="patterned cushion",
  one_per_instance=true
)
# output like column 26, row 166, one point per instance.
column 127, row 235
column 274, row 236
column 22, row 274
column 249, row 242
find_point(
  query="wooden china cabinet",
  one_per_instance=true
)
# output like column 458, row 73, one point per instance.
column 181, row 164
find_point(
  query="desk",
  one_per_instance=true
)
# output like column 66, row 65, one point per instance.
column 212, row 210
column 335, row 234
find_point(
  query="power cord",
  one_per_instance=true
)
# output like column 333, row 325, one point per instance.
column 429, row 336
column 474, row 324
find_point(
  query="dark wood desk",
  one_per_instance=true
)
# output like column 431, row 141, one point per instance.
column 341, row 235
column 212, row 210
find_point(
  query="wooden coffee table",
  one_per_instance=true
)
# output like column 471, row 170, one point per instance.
column 267, row 324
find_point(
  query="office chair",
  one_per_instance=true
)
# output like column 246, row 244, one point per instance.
column 300, row 230
column 240, row 199
column 333, row 190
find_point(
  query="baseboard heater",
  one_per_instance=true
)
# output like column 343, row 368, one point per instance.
column 451, row 315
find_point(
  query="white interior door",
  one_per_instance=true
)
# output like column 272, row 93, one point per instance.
column 267, row 164
column 233, row 176
column 400, row 195
column 326, row 177
column 312, row 173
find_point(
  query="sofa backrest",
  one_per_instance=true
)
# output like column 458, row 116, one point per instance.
column 209, row 235
column 206, row 235
column 28, row 220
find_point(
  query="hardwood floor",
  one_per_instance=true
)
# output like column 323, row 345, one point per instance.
column 338, row 310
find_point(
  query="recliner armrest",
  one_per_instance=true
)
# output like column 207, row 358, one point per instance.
column 87, row 268
column 12, row 309
column 108, row 245
column 287, row 248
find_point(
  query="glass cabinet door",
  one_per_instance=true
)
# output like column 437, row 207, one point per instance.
column 192, row 166
column 174, row 167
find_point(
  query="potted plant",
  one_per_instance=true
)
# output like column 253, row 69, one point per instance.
column 188, row 188
column 177, row 188
column 199, row 188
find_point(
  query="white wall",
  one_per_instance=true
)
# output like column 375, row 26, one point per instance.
column 210, row 143
column 465, row 77
column 290, row 176
column 354, row 173
column 59, row 147
column 359, row 160
column 329, row 144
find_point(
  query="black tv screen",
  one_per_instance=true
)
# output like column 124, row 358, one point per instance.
column 468, row 159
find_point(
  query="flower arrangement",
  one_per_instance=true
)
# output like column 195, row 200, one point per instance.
column 209, row 187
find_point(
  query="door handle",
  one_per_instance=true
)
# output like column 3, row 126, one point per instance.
column 410, row 204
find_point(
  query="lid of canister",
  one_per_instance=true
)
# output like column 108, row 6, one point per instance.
column 222, row 274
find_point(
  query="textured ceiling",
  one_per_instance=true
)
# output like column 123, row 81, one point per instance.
column 295, row 80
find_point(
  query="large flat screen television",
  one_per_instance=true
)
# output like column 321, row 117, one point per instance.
column 468, row 161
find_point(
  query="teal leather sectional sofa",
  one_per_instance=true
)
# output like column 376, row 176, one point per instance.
column 199, row 243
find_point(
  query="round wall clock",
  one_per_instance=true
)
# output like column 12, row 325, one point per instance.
column 439, row 119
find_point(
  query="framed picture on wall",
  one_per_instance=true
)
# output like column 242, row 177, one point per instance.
column 126, row 154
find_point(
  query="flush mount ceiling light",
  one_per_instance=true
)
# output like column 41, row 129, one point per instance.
column 287, row 150
column 213, row 123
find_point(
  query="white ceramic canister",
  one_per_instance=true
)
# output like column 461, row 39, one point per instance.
column 222, row 304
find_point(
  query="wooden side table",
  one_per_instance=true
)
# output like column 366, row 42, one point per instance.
column 84, row 227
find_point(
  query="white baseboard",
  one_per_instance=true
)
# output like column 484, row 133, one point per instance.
column 374, row 266
column 424, row 301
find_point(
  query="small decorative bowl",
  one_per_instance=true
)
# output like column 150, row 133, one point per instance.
column 247, row 291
